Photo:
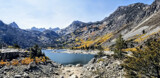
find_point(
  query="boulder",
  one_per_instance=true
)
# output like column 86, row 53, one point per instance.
column 96, row 76
column 17, row 76
column 69, row 65
column 26, row 75
column 92, row 61
column 73, row 76
column 51, row 69
column 68, row 71
column 78, row 65
column 62, row 77
column 32, row 65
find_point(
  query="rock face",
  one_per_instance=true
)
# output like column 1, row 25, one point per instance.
column 72, row 27
column 12, row 55
column 106, row 68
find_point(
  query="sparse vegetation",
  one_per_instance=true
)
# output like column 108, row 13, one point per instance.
column 144, row 62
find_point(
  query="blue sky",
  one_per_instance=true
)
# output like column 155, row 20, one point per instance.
column 58, row 13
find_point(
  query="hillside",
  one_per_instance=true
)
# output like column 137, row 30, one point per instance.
column 136, row 22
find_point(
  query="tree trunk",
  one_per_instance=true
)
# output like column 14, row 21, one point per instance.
column 157, row 69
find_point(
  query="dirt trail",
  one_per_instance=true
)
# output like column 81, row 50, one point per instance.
column 68, row 72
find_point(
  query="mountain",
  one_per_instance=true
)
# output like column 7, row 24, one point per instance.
column 72, row 27
column 14, row 25
column 54, row 29
column 136, row 22
column 38, row 29
column 43, row 29
column 10, row 35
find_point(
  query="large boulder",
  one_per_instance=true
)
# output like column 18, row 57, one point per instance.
column 73, row 76
column 78, row 65
column 31, row 65
column 17, row 76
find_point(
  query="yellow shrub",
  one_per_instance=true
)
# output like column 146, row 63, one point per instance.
column 43, row 59
column 2, row 63
column 99, row 60
column 26, row 61
column 10, row 46
column 38, row 60
column 106, row 49
column 14, row 62
column 130, row 49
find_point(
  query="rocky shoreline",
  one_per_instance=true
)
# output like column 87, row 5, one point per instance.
column 103, row 67
column 83, row 52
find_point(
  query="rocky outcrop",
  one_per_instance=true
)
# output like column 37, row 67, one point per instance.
column 22, row 71
column 104, row 67
column 13, row 55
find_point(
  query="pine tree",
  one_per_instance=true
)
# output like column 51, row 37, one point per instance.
column 35, row 51
column 120, row 44
column 16, row 46
column 101, row 51
column 145, row 62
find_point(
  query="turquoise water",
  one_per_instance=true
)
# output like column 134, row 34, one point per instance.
column 65, row 58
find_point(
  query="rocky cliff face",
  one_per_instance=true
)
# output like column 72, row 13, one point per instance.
column 124, row 20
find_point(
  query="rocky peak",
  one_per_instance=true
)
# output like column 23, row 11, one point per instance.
column 38, row 29
column 54, row 29
column 157, row 1
column 14, row 25
column 1, row 23
column 135, row 6
column 76, row 23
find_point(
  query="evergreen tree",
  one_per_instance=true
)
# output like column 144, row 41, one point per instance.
column 35, row 51
column 101, row 51
column 145, row 62
column 16, row 46
column 120, row 44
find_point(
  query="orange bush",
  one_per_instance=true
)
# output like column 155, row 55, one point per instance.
column 26, row 61
column 2, row 63
column 15, row 62
column 38, row 60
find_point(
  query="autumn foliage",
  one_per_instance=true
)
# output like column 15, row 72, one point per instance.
column 144, row 63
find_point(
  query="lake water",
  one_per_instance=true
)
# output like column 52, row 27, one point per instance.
column 65, row 58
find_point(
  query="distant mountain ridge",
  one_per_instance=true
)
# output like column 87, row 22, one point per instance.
column 43, row 29
column 12, row 34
